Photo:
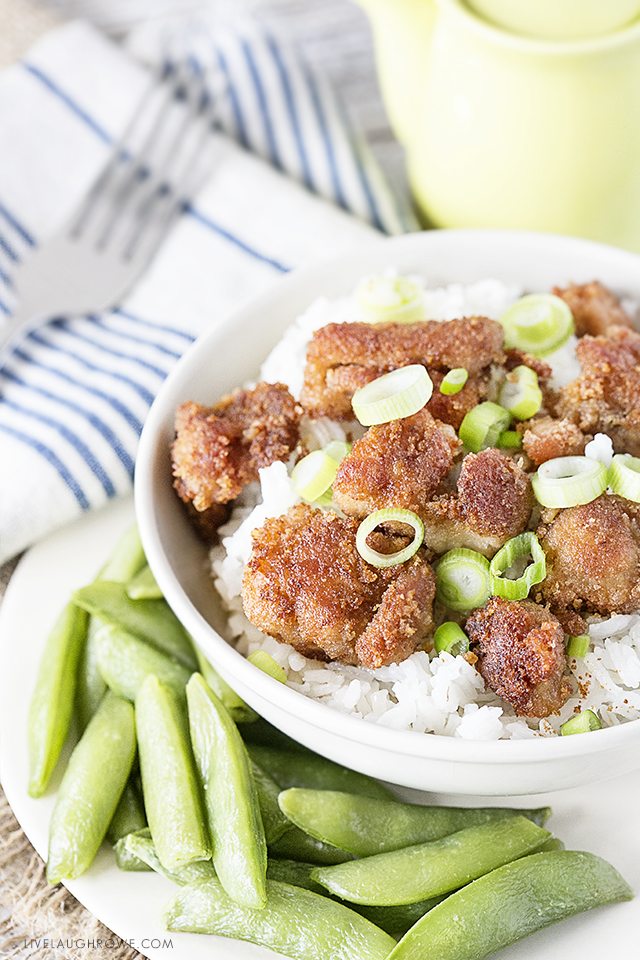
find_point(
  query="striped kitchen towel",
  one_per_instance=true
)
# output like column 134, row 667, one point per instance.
column 290, row 181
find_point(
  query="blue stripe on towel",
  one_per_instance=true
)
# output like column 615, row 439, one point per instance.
column 160, row 327
column 103, row 324
column 18, row 227
column 51, row 458
column 8, row 249
column 4, row 309
column 69, row 101
column 236, row 109
column 262, row 103
column 291, row 108
column 232, row 238
column 119, row 354
column 326, row 137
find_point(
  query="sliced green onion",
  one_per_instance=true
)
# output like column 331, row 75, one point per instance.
column 313, row 475
column 483, row 425
column 463, row 580
column 384, row 298
column 578, row 647
column 624, row 476
column 338, row 450
column 454, row 381
column 583, row 722
column 510, row 555
column 510, row 440
column 374, row 520
column 393, row 396
column 451, row 638
column 520, row 393
column 569, row 481
column 538, row 324
column 265, row 662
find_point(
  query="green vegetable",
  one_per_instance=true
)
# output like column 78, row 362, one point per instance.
column 143, row 586
column 125, row 662
column 150, row 620
column 296, row 873
column 313, row 475
column 264, row 734
column 569, row 481
column 578, row 647
column 239, row 710
column 511, row 903
column 129, row 816
column 509, row 556
column 369, row 524
column 169, row 782
column 295, row 922
column 139, row 847
column 520, row 393
column 273, row 819
column 126, row 559
column 397, row 920
column 90, row 687
column 510, row 440
column 365, row 826
column 583, row 722
column 384, row 297
column 393, row 396
column 463, row 580
column 483, row 425
column 538, row 324
column 431, row 869
column 290, row 769
column 454, row 381
column 451, row 638
column 231, row 799
column 299, row 846
column 338, row 450
column 52, row 699
column 265, row 662
column 624, row 476
column 91, row 787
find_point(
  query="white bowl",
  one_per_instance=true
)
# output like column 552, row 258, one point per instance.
column 230, row 355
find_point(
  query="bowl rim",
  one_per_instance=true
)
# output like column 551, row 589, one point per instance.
column 232, row 663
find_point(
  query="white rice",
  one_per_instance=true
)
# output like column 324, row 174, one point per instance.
column 428, row 694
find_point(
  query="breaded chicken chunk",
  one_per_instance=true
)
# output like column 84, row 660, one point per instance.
column 218, row 450
column 521, row 655
column 606, row 397
column 493, row 503
column 545, row 438
column 398, row 464
column 342, row 357
column 593, row 557
column 595, row 308
column 307, row 585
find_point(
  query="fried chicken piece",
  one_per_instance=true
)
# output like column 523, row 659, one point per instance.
column 218, row 450
column 453, row 408
column 398, row 464
column 342, row 357
column 307, row 585
column 521, row 655
column 493, row 503
column 593, row 557
column 206, row 522
column 595, row 308
column 545, row 438
column 606, row 397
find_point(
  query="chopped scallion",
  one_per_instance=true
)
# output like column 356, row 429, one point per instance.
column 569, row 481
column 538, row 324
column 385, row 298
column 520, row 393
column 454, row 381
column 624, row 476
column 265, row 662
column 313, row 475
column 578, row 647
column 393, row 396
column 451, row 638
column 510, row 440
column 511, row 555
column 338, row 450
column 583, row 722
column 369, row 524
column 463, row 580
column 483, row 425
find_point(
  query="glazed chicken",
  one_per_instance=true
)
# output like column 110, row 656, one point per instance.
column 218, row 450
column 595, row 308
column 545, row 438
column 593, row 557
column 307, row 585
column 521, row 655
column 493, row 503
column 342, row 357
column 398, row 464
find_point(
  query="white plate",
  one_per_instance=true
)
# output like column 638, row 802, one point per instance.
column 601, row 818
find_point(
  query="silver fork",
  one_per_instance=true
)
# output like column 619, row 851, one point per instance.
column 153, row 170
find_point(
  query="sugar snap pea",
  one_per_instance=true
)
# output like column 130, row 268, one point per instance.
column 139, row 847
column 265, row 734
column 431, row 869
column 150, row 620
column 129, row 815
column 144, row 586
column 296, row 845
column 126, row 559
column 239, row 710
column 91, row 787
column 365, row 826
column 307, row 769
column 125, row 661
column 510, row 903
column 52, row 700
column 169, row 782
column 273, row 819
column 295, row 922
column 295, row 872
column 127, row 858
column 231, row 799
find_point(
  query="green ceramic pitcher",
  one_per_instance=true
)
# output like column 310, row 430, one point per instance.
column 517, row 113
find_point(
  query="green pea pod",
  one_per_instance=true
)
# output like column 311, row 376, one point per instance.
column 239, row 710
column 307, row 769
column 169, row 781
column 129, row 815
column 140, row 847
column 365, row 826
column 273, row 819
column 125, row 662
column 265, row 734
column 295, row 922
column 126, row 855
column 52, row 700
column 296, row 873
column 231, row 798
column 150, row 620
column 126, row 560
column 92, row 785
column 144, row 586
column 510, row 903
column 296, row 845
column 431, row 869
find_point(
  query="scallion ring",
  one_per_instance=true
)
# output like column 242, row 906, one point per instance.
column 538, row 324
column 393, row 396
column 624, row 476
column 454, row 381
column 313, row 475
column 510, row 440
column 384, row 298
column 483, row 425
column 369, row 524
column 338, row 450
column 583, row 722
column 451, row 638
column 265, row 662
column 578, row 647
column 520, row 393
column 510, row 556
column 569, row 481
column 463, row 580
